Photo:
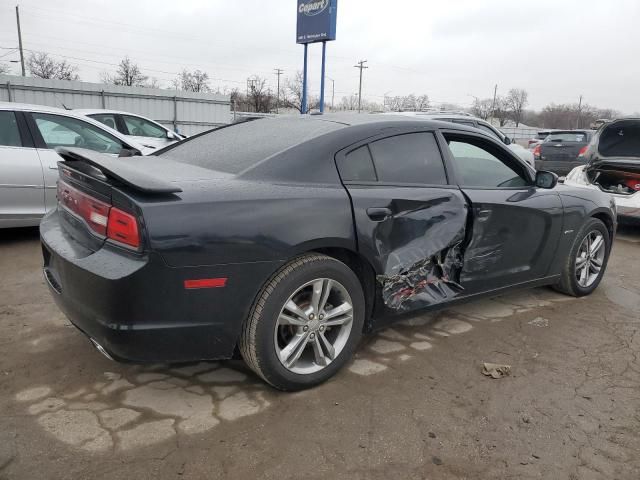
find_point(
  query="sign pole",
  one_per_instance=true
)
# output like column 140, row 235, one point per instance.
column 303, row 106
column 324, row 56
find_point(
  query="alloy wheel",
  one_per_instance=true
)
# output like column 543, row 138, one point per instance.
column 313, row 326
column 590, row 259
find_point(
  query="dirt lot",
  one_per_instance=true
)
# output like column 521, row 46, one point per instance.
column 413, row 404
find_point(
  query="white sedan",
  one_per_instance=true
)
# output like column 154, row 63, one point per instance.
column 151, row 134
column 29, row 135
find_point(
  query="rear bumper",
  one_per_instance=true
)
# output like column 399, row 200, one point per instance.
column 136, row 307
column 560, row 168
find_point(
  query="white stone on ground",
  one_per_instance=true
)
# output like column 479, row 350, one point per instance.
column 79, row 428
column 32, row 394
column 366, row 367
column 146, row 434
column 385, row 346
column 421, row 345
column 118, row 417
column 238, row 405
column 48, row 405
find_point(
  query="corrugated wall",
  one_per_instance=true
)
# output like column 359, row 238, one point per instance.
column 188, row 111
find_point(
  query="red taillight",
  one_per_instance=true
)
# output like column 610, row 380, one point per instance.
column 536, row 151
column 102, row 218
column 91, row 210
column 583, row 150
column 123, row 227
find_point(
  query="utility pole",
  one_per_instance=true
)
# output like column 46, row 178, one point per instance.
column 361, row 67
column 20, row 41
column 579, row 112
column 278, row 73
column 333, row 91
column 493, row 105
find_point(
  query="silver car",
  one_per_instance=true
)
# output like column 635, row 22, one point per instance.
column 142, row 130
column 29, row 164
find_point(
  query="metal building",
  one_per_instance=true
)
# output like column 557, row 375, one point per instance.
column 186, row 112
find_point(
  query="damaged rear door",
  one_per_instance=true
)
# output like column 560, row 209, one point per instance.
column 515, row 227
column 410, row 221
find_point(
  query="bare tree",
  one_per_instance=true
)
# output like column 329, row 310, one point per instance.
column 500, row 111
column 515, row 101
column 408, row 103
column 5, row 69
column 259, row 96
column 482, row 108
column 153, row 82
column 196, row 81
column 293, row 95
column 41, row 65
column 127, row 74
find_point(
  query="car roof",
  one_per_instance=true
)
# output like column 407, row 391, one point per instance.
column 26, row 107
column 92, row 111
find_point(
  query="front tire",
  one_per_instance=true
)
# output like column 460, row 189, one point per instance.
column 305, row 323
column 587, row 260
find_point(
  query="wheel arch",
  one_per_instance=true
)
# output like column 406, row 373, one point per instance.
column 363, row 270
column 609, row 222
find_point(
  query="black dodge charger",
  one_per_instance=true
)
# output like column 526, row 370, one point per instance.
column 285, row 239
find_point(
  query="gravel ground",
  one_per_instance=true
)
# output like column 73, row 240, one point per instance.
column 412, row 404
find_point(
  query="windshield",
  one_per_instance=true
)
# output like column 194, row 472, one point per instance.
column 240, row 146
column 566, row 137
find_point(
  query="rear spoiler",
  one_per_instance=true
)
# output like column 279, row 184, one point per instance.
column 121, row 169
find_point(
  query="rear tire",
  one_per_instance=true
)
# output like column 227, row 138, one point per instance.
column 579, row 275
column 295, row 337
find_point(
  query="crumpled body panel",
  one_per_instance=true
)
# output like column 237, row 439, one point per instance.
column 428, row 281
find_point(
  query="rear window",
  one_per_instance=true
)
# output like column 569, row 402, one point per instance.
column 567, row 137
column 238, row 147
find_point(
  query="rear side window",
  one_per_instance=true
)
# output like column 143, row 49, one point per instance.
column 139, row 127
column 9, row 132
column 409, row 158
column 109, row 119
column 357, row 166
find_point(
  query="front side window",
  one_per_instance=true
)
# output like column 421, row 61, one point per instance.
column 61, row 131
column 109, row 119
column 139, row 127
column 480, row 165
column 9, row 132
column 409, row 158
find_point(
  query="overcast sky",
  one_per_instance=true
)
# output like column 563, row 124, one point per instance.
column 451, row 51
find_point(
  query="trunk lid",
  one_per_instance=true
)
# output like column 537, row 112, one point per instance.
column 100, row 198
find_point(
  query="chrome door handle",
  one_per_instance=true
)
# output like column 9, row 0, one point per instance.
column 378, row 214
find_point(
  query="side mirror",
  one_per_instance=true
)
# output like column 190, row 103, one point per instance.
column 172, row 135
column 546, row 179
column 507, row 141
column 129, row 152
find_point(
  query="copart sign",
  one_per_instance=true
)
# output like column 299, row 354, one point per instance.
column 316, row 21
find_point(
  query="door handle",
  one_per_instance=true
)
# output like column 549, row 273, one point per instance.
column 483, row 215
column 378, row 214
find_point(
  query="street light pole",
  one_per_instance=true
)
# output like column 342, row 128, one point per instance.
column 361, row 67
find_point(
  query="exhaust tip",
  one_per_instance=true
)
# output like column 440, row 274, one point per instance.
column 101, row 349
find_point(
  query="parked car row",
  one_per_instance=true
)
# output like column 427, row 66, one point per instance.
column 612, row 164
column 29, row 135
column 562, row 150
